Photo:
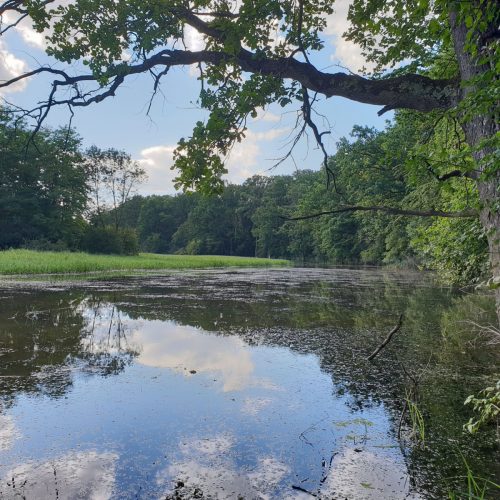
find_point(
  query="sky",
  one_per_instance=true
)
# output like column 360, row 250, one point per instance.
column 122, row 122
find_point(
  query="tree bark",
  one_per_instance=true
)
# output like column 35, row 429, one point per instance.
column 476, row 129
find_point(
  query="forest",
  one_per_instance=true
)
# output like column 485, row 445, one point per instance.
column 57, row 196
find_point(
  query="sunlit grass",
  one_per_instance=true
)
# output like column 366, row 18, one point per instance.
column 18, row 262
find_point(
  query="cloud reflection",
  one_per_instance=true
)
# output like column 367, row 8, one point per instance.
column 165, row 344
column 76, row 475
column 8, row 432
column 367, row 475
column 206, row 467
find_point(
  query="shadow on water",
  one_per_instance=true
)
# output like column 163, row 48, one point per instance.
column 253, row 383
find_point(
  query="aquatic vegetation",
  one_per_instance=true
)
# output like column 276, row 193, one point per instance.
column 417, row 419
column 478, row 488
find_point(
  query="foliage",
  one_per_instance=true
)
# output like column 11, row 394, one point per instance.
column 110, row 240
column 457, row 249
column 370, row 168
column 42, row 185
column 487, row 407
column 249, row 44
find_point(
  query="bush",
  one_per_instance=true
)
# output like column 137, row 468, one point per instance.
column 129, row 241
column 109, row 240
column 45, row 245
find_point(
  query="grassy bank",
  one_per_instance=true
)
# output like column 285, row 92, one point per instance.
column 32, row 262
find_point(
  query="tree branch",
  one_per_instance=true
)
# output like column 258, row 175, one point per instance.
column 388, row 210
column 407, row 91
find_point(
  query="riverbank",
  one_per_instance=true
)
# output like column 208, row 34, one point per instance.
column 29, row 262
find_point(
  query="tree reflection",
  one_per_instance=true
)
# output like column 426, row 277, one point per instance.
column 104, row 340
column 44, row 336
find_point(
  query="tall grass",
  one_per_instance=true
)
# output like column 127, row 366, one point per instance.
column 17, row 262
column 417, row 419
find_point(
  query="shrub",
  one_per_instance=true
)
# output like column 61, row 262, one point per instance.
column 109, row 240
column 45, row 245
column 129, row 241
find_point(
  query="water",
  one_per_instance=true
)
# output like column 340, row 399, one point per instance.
column 246, row 383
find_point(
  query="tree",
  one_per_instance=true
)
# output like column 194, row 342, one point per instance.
column 43, row 190
column 241, row 38
column 112, row 179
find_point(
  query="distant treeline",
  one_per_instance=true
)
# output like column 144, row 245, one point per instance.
column 53, row 195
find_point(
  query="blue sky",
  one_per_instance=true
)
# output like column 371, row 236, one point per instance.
column 122, row 122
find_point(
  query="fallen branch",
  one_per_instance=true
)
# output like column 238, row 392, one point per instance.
column 387, row 339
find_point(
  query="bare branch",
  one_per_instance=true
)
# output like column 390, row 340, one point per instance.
column 306, row 110
column 387, row 339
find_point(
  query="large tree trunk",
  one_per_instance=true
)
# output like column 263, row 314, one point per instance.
column 477, row 129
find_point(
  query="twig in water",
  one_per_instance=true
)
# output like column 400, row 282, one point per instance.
column 403, row 412
column 299, row 488
column 387, row 339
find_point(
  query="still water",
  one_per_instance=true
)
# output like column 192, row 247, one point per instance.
column 240, row 384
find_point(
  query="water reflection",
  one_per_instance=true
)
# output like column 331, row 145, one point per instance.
column 377, row 476
column 76, row 475
column 215, row 472
column 217, row 384
column 9, row 432
column 187, row 349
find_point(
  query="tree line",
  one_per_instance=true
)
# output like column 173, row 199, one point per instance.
column 54, row 195
column 389, row 197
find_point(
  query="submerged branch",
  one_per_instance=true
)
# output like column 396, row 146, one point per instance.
column 387, row 339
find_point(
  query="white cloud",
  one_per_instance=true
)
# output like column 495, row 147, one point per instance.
column 216, row 445
column 10, row 67
column 244, row 159
column 32, row 37
column 185, row 348
column 266, row 116
column 207, row 465
column 193, row 39
column 253, row 406
column 367, row 475
column 157, row 161
column 347, row 53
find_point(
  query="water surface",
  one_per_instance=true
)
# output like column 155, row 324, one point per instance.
column 241, row 383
